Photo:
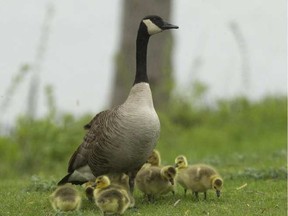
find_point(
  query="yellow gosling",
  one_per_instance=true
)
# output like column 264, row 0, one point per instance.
column 154, row 181
column 65, row 198
column 154, row 159
column 197, row 178
column 121, row 181
column 110, row 199
column 89, row 188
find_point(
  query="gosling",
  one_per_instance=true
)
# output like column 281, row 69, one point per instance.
column 121, row 181
column 89, row 189
column 154, row 181
column 197, row 178
column 117, row 180
column 65, row 198
column 154, row 159
column 110, row 199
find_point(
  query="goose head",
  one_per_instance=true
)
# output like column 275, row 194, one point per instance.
column 217, row 184
column 102, row 182
column 154, row 159
column 155, row 24
column 181, row 162
column 169, row 173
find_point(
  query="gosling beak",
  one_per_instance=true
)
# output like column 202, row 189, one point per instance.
column 218, row 193
column 169, row 26
column 171, row 181
column 176, row 165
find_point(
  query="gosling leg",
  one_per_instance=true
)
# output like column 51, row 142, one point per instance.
column 205, row 195
column 150, row 198
column 196, row 195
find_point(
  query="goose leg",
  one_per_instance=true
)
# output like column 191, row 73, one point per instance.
column 131, row 183
column 205, row 195
column 132, row 176
column 185, row 191
column 145, row 197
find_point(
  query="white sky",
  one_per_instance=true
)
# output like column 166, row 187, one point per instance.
column 79, row 61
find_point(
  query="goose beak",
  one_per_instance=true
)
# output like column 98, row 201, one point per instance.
column 169, row 26
column 218, row 193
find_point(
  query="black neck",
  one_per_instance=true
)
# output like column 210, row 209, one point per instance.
column 141, row 55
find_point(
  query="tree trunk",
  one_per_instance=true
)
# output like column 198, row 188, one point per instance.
column 159, row 66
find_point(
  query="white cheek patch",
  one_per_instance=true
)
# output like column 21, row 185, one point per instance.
column 151, row 27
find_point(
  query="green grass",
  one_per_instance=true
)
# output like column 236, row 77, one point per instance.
column 246, row 142
column 264, row 194
column 259, row 197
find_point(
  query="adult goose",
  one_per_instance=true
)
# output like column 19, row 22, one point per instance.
column 121, row 139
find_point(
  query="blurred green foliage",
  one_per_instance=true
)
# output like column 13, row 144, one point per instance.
column 230, row 134
column 234, row 135
column 246, row 141
column 41, row 145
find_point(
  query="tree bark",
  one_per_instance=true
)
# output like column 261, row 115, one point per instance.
column 159, row 66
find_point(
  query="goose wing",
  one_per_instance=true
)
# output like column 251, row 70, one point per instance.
column 80, row 156
column 96, row 119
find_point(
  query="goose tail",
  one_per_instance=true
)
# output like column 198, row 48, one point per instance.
column 66, row 179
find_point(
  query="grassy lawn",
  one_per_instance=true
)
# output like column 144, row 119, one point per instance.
column 254, row 184
column 246, row 142
column 259, row 197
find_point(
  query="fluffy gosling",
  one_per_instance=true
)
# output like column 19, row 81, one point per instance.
column 198, row 178
column 65, row 198
column 154, row 181
column 154, row 159
column 117, row 180
column 89, row 189
column 121, row 181
column 110, row 199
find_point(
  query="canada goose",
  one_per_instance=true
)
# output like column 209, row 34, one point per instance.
column 154, row 181
column 198, row 178
column 121, row 139
column 65, row 198
column 110, row 199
